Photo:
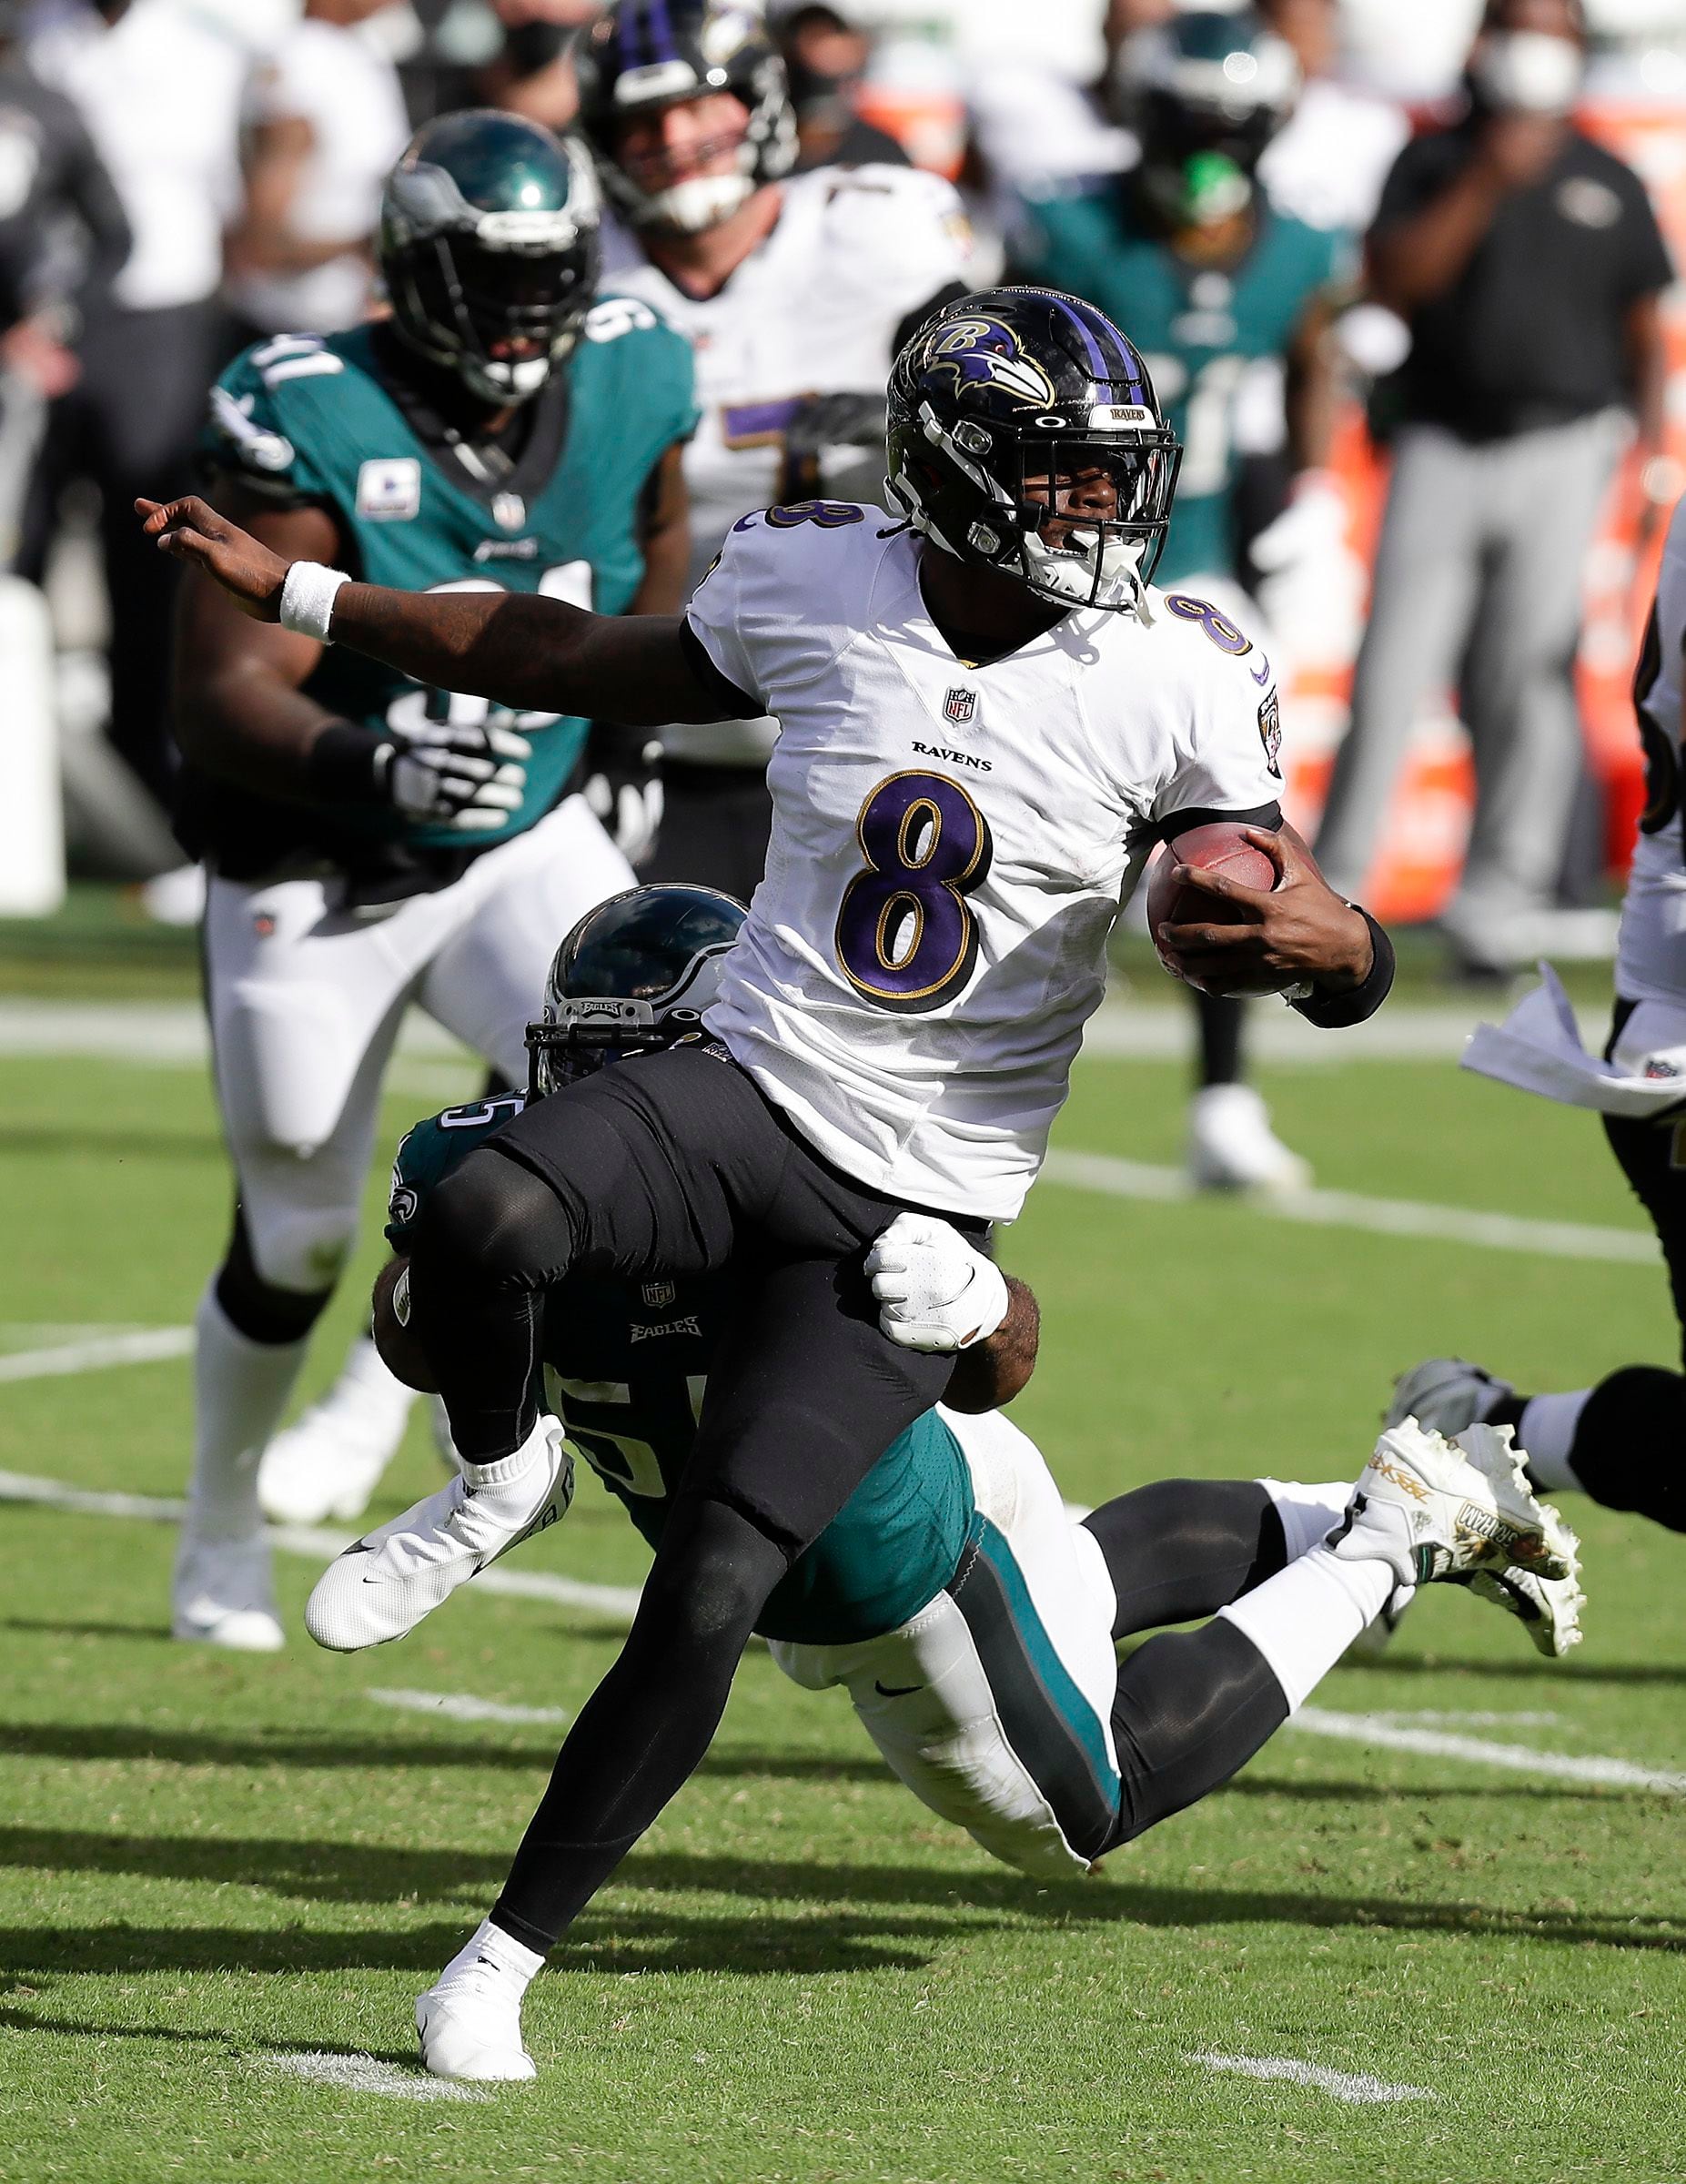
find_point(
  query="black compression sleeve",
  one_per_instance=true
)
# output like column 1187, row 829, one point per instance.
column 1336, row 1011
column 343, row 765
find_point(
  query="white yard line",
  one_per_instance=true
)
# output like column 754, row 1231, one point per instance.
column 463, row 1706
column 1113, row 1178
column 363, row 2074
column 1386, row 1734
column 1342, row 2085
column 99, row 1348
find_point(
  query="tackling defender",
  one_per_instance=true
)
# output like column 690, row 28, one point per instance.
column 972, row 1624
column 1212, row 280
column 987, row 716
column 372, row 839
column 1621, row 1442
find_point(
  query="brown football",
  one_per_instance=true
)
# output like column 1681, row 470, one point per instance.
column 1220, row 847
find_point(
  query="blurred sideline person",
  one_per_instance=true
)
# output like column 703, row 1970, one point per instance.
column 783, row 287
column 373, row 842
column 795, row 293
column 1621, row 1441
column 326, row 125
column 159, row 90
column 1327, row 163
column 1528, row 263
column 972, row 1625
column 533, row 75
column 63, row 235
column 825, row 57
column 1191, row 255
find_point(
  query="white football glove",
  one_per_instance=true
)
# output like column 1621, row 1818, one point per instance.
column 630, row 812
column 934, row 1292
column 471, row 779
column 1309, row 530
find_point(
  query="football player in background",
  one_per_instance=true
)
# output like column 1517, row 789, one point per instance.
column 896, row 1023
column 796, row 291
column 1621, row 1441
column 972, row 1622
column 1188, row 252
column 374, row 840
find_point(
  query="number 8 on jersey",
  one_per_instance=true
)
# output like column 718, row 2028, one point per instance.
column 905, row 936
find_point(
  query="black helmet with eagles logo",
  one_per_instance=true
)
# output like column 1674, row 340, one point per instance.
column 646, row 56
column 634, row 976
column 489, row 248
column 1204, row 94
column 1026, row 436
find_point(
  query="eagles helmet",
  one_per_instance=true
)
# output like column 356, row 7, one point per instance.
column 1204, row 93
column 1026, row 436
column 647, row 56
column 634, row 976
column 488, row 248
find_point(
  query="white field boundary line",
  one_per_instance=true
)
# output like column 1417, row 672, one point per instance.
column 463, row 1706
column 364, row 2074
column 1389, row 1735
column 100, row 1348
column 1357, row 2087
column 619, row 1603
column 1113, row 1178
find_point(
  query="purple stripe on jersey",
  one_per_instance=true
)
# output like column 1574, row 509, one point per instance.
column 663, row 45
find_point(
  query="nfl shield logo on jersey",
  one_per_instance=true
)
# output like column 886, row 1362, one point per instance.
column 959, row 706
column 659, row 1295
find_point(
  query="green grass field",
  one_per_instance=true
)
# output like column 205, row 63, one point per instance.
column 219, row 1873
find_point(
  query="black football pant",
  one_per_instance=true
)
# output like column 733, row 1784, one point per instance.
column 669, row 1166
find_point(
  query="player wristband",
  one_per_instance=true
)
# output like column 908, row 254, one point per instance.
column 1335, row 1012
column 308, row 599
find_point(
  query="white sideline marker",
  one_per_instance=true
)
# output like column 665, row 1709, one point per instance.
column 99, row 1348
column 1358, row 2087
column 364, row 2074
column 1392, row 1735
column 463, row 1706
column 1115, row 1179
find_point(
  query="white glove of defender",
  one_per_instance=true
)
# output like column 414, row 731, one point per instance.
column 934, row 1292
column 471, row 779
column 629, row 811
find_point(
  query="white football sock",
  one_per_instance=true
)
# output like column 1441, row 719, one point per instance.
column 239, row 1391
column 510, row 1471
column 1308, row 1513
column 514, row 1961
column 1546, row 1432
column 1304, row 1619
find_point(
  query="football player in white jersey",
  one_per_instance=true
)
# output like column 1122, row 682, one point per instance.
column 1621, row 1442
column 987, row 717
column 795, row 292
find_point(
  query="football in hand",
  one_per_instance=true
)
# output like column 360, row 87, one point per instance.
column 1223, row 847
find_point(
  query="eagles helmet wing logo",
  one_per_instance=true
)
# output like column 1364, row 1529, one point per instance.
column 981, row 352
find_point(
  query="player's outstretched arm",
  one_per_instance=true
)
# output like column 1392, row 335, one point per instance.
column 529, row 653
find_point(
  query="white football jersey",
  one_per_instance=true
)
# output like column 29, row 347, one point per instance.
column 1651, row 956
column 813, row 310
column 951, row 844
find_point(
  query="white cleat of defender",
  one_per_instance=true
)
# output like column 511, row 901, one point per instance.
column 1461, row 1511
column 1232, row 1147
column 470, row 2027
column 328, row 1463
column 382, row 1587
column 222, row 1595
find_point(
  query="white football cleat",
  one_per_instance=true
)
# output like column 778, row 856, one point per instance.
column 1548, row 1608
column 1447, row 1394
column 471, row 2027
column 382, row 1587
column 1232, row 1147
column 221, row 1595
column 1436, row 1510
column 328, row 1463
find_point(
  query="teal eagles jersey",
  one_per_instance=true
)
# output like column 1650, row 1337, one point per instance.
column 1198, row 328
column 305, row 420
column 626, row 1365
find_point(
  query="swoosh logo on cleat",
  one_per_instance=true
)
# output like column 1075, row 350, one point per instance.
column 895, row 1691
